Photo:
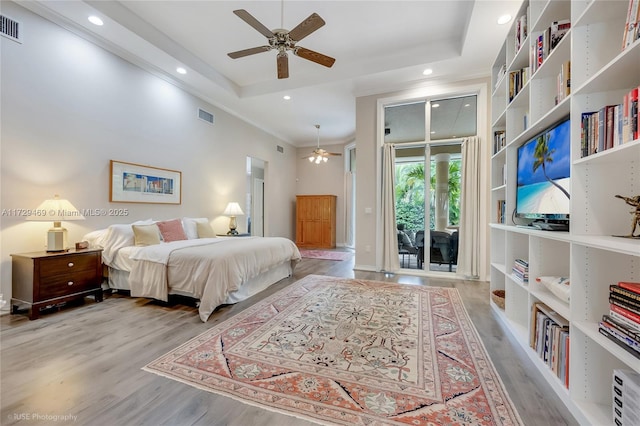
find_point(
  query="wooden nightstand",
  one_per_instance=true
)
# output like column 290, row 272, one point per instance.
column 40, row 279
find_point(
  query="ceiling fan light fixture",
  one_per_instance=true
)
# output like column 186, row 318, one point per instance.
column 284, row 41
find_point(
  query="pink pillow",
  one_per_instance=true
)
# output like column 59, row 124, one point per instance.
column 171, row 230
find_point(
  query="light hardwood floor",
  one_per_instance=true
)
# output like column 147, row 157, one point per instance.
column 85, row 361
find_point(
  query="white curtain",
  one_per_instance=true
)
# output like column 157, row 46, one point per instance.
column 390, row 260
column 348, row 209
column 469, row 241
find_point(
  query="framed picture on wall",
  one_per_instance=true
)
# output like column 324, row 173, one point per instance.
column 135, row 183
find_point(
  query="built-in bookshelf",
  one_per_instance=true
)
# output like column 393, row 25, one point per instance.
column 558, row 82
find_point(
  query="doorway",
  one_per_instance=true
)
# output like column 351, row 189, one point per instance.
column 255, row 196
column 427, row 136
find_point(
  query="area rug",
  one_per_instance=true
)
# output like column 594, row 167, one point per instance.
column 325, row 254
column 350, row 352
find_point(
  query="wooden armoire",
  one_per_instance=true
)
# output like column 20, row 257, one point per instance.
column 316, row 221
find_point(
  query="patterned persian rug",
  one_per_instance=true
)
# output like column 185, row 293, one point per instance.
column 350, row 352
column 325, row 254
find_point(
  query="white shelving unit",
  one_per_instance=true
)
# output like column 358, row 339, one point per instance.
column 601, row 73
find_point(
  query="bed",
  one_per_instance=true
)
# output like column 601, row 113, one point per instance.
column 214, row 270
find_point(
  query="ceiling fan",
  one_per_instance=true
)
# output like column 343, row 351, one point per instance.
column 284, row 41
column 319, row 155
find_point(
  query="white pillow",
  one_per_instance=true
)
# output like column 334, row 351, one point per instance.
column 190, row 227
column 117, row 237
column 96, row 238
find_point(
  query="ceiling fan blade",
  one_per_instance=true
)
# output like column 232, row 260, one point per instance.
column 249, row 19
column 247, row 52
column 306, row 27
column 283, row 65
column 334, row 153
column 312, row 56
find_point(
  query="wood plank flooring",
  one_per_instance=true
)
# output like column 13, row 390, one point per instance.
column 84, row 362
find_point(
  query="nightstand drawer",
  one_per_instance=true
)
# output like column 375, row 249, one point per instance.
column 40, row 279
column 61, row 285
column 68, row 264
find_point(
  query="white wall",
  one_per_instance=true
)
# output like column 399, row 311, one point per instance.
column 68, row 107
column 369, row 138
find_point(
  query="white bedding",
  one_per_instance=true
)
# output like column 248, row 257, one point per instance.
column 209, row 269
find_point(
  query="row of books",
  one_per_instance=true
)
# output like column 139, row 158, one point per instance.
column 622, row 324
column 546, row 41
column 626, row 397
column 499, row 140
column 520, row 32
column 521, row 270
column 517, row 80
column 611, row 125
column 550, row 339
column 632, row 25
column 502, row 206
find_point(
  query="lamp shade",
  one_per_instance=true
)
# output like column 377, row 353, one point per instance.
column 233, row 209
column 55, row 210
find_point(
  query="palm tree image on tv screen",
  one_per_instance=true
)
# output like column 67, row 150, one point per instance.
column 544, row 165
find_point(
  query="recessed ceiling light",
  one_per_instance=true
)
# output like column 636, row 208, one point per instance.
column 428, row 71
column 286, row 97
column 433, row 132
column 181, row 70
column 467, row 105
column 95, row 20
column 504, row 19
column 435, row 105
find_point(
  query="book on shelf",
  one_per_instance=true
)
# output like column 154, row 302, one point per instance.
column 520, row 32
column 610, row 126
column 520, row 270
column 517, row 80
column 633, row 114
column 624, row 292
column 501, row 211
column 619, row 339
column 499, row 140
column 631, row 286
column 557, row 31
column 626, row 397
column 630, row 305
column 626, row 322
column 621, row 310
column 563, row 85
column 631, row 30
column 549, row 337
column 622, row 328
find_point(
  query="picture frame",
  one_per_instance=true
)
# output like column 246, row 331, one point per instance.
column 137, row 183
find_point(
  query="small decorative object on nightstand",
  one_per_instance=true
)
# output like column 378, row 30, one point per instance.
column 234, row 235
column 40, row 279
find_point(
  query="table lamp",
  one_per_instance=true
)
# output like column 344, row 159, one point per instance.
column 56, row 210
column 233, row 210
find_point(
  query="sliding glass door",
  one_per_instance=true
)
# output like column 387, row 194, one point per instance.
column 428, row 139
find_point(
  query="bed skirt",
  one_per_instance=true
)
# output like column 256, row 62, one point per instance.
column 119, row 280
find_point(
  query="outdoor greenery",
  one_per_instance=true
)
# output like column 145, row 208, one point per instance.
column 410, row 192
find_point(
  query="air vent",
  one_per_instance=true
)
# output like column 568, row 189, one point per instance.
column 204, row 115
column 10, row 29
column 280, row 148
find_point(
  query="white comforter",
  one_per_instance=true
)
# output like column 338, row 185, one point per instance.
column 208, row 268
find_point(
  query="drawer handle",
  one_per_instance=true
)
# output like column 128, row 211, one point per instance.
column 70, row 283
column 70, row 265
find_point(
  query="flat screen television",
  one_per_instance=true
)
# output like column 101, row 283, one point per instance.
column 543, row 189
